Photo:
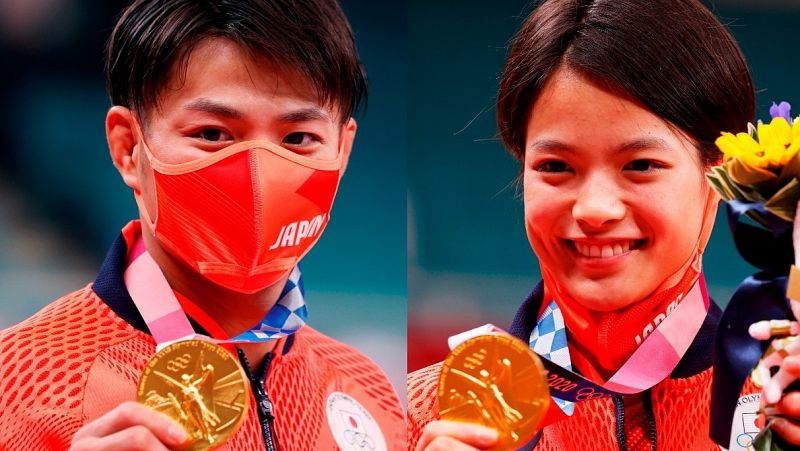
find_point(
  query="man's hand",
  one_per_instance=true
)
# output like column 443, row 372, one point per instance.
column 451, row 435
column 129, row 426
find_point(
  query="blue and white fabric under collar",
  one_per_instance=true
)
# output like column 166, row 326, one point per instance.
column 286, row 317
column 549, row 340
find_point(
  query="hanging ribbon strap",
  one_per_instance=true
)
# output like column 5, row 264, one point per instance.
column 650, row 364
column 168, row 323
column 152, row 295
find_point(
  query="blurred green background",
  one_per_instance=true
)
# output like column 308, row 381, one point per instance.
column 469, row 259
column 62, row 203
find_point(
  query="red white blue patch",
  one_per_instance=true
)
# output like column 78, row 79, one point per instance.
column 352, row 426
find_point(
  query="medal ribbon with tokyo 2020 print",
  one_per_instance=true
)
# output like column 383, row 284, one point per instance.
column 191, row 379
column 651, row 362
column 167, row 321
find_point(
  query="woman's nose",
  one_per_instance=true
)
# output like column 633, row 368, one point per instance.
column 598, row 205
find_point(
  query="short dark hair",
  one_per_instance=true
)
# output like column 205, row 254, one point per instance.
column 313, row 37
column 673, row 56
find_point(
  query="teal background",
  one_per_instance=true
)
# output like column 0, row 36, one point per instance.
column 428, row 210
column 62, row 202
column 470, row 261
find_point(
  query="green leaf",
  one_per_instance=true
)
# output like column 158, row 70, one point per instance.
column 738, row 191
column 747, row 175
column 719, row 186
column 759, row 219
column 764, row 440
column 725, row 184
column 784, row 203
column 791, row 170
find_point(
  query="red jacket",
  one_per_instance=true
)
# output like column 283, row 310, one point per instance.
column 676, row 410
column 83, row 354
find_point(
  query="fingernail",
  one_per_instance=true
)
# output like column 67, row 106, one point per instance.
column 177, row 434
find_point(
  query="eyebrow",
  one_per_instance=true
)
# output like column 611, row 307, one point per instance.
column 305, row 115
column 629, row 146
column 212, row 107
column 220, row 109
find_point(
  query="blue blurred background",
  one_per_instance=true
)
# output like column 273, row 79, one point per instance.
column 469, row 259
column 62, row 202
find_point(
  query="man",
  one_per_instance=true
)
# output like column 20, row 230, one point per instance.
column 232, row 124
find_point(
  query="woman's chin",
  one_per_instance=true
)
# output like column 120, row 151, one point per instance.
column 604, row 295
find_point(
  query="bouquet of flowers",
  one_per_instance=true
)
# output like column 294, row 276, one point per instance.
column 758, row 177
column 760, row 168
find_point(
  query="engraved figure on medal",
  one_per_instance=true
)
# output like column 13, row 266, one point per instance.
column 201, row 386
column 495, row 381
column 196, row 407
column 489, row 397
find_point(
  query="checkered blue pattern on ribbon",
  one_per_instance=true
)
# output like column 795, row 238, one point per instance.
column 549, row 340
column 286, row 317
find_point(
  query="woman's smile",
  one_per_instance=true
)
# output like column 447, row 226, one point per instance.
column 604, row 249
column 601, row 258
column 614, row 196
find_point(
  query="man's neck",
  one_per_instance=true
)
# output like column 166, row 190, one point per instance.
column 234, row 312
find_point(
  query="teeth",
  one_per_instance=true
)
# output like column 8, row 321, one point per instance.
column 604, row 251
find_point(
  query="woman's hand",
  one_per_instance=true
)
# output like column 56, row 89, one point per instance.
column 784, row 405
column 796, row 236
column 789, row 405
column 129, row 426
column 451, row 435
column 786, row 408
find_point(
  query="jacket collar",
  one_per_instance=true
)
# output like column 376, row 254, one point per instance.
column 110, row 288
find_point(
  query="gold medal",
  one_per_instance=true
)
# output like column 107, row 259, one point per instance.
column 498, row 382
column 201, row 386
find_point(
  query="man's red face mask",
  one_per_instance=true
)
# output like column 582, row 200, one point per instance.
column 245, row 215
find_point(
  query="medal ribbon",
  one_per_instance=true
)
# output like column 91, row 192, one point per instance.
column 168, row 322
column 653, row 360
column 651, row 363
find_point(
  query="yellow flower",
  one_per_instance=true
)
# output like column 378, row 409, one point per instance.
column 774, row 138
column 794, row 147
column 741, row 146
column 777, row 143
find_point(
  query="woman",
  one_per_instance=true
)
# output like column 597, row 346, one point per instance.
column 612, row 107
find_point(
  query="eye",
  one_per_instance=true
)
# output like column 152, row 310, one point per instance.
column 213, row 135
column 301, row 139
column 553, row 166
column 643, row 166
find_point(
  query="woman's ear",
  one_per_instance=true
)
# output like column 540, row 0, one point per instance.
column 122, row 142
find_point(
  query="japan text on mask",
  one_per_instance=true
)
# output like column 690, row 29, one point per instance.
column 246, row 214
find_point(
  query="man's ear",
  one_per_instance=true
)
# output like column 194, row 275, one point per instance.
column 346, row 139
column 122, row 142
